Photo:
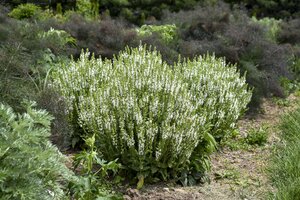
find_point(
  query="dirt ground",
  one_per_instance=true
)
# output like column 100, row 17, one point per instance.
column 238, row 173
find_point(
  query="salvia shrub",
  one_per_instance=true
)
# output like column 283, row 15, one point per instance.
column 222, row 92
column 155, row 118
column 30, row 166
column 167, row 50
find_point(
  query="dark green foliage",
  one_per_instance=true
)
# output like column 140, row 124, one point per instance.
column 290, row 32
column 26, row 56
column 270, row 8
column 30, row 166
column 106, row 37
column 61, row 129
column 234, row 35
column 139, row 11
column 285, row 169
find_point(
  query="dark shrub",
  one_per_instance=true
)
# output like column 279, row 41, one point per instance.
column 290, row 32
column 270, row 8
column 106, row 37
column 240, row 40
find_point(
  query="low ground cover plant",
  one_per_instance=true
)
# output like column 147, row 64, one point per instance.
column 155, row 118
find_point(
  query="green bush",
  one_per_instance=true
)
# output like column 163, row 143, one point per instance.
column 60, row 36
column 271, row 25
column 167, row 33
column 30, row 166
column 88, row 8
column 153, row 117
column 25, row 11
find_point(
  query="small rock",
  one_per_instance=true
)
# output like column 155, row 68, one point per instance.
column 166, row 189
column 132, row 192
column 126, row 197
column 180, row 190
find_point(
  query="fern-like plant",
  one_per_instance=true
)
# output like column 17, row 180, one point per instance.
column 30, row 166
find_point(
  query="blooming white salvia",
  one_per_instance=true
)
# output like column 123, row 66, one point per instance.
column 147, row 113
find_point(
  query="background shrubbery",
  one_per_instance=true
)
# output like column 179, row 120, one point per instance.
column 27, row 55
column 241, row 40
column 270, row 8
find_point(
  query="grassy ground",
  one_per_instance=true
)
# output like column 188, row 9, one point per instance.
column 285, row 165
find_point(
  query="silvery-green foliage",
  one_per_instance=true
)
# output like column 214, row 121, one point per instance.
column 168, row 32
column 146, row 113
column 220, row 94
column 30, row 166
column 61, row 36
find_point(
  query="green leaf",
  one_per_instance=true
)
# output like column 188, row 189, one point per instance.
column 140, row 183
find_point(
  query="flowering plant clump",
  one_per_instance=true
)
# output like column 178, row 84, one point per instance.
column 218, row 91
column 146, row 113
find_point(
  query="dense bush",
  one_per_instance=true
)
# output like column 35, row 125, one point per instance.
column 290, row 32
column 234, row 35
column 222, row 92
column 30, row 166
column 106, row 37
column 152, row 116
column 140, row 11
column 27, row 55
column 270, row 8
column 26, row 51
